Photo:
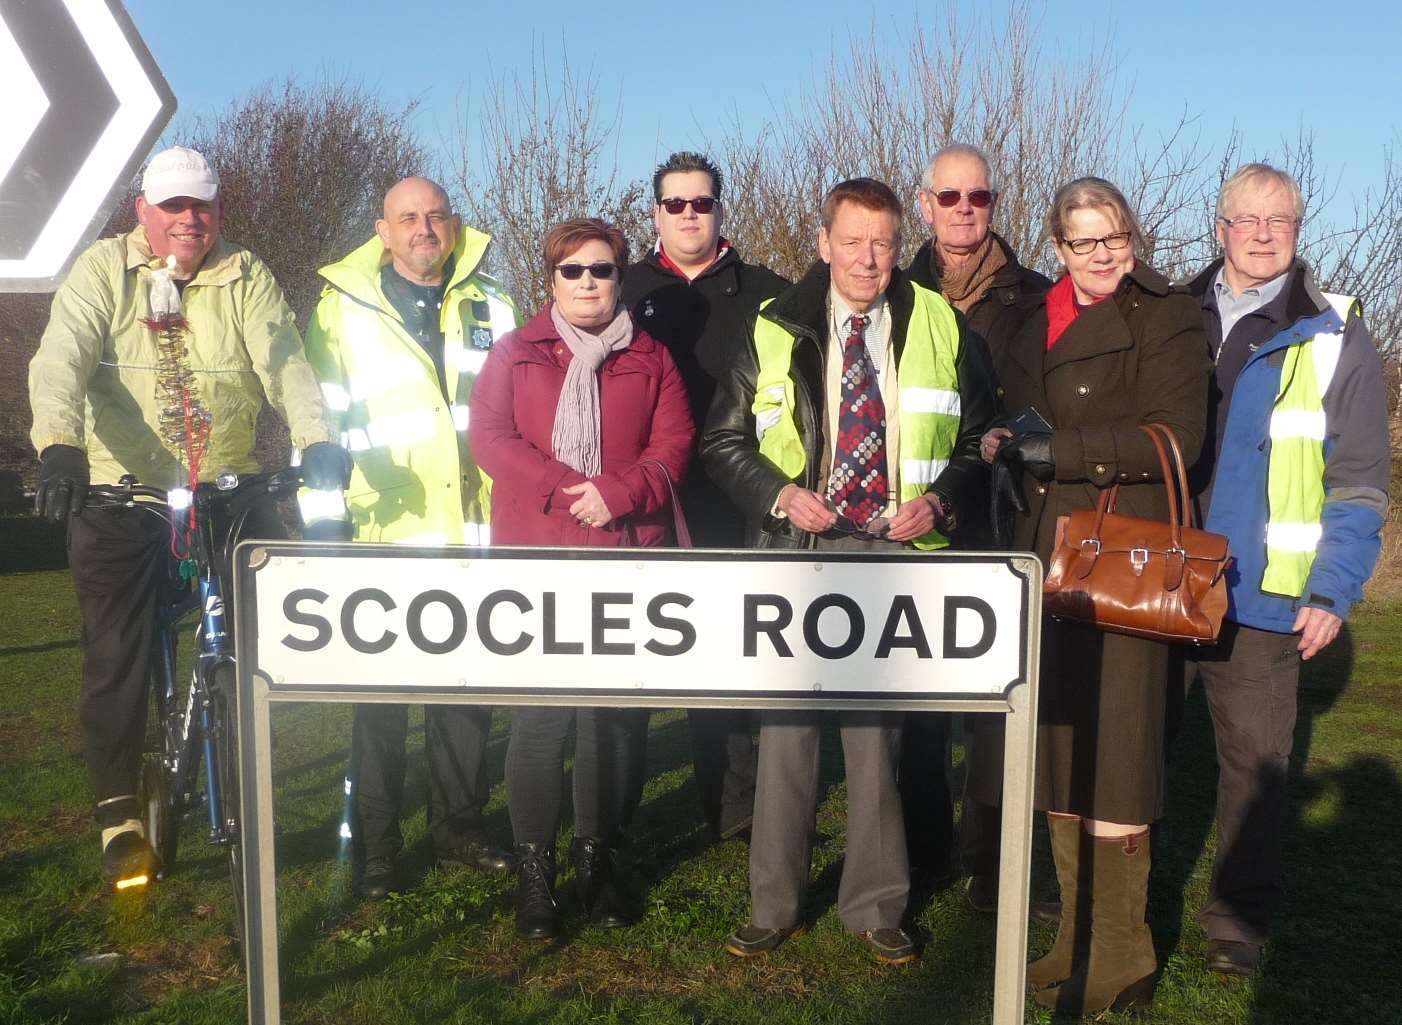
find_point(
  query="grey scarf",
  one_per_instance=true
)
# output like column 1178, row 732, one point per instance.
column 575, row 438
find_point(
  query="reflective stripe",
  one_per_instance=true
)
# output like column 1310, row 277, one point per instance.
column 476, row 534
column 1293, row 537
column 337, row 399
column 457, row 360
column 355, row 440
column 767, row 418
column 321, row 505
column 502, row 316
column 922, row 471
column 460, row 418
column 401, row 428
column 1298, row 423
column 930, row 400
column 426, row 540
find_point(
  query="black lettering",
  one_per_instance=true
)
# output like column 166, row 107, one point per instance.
column 294, row 615
column 771, row 628
column 603, row 623
column 685, row 630
column 484, row 623
column 856, row 624
column 357, row 599
column 952, row 605
column 415, row 622
column 549, row 645
column 903, row 607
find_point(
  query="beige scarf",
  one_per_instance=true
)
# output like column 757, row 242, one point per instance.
column 966, row 284
column 575, row 437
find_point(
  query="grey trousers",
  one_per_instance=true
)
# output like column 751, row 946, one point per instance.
column 1251, row 679
column 875, row 875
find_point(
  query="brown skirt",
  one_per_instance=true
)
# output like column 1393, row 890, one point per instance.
column 1100, row 728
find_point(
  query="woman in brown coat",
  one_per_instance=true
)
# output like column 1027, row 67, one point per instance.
column 1112, row 346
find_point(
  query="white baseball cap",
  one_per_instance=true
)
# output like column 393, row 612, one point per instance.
column 179, row 172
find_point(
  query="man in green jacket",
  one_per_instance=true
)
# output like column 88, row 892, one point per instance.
column 159, row 349
column 402, row 328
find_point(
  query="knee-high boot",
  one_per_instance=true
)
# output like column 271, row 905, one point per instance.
column 1067, row 841
column 1119, row 973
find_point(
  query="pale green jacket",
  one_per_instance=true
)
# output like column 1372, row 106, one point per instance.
column 92, row 384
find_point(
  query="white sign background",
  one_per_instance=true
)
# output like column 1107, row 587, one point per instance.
column 929, row 590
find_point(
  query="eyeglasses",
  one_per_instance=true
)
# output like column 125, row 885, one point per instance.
column 1247, row 223
column 701, row 204
column 600, row 271
column 979, row 198
column 1082, row 246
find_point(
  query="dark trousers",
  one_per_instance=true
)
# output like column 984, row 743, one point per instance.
column 723, row 753
column 607, row 769
column 1251, row 679
column 455, row 745
column 925, row 795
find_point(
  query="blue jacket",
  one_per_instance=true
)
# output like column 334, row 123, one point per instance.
column 1232, row 475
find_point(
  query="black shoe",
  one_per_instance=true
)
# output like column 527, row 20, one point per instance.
column 751, row 940
column 128, row 862
column 376, row 879
column 1232, row 957
column 594, row 882
column 1045, row 912
column 537, row 912
column 891, row 946
column 981, row 893
column 479, row 855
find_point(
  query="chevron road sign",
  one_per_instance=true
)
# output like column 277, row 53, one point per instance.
column 84, row 103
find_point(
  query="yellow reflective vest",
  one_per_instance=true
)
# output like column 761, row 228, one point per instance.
column 929, row 399
column 414, row 480
column 1295, row 473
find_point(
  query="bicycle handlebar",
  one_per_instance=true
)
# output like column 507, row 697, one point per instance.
column 126, row 492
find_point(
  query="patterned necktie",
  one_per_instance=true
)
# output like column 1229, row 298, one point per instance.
column 859, row 485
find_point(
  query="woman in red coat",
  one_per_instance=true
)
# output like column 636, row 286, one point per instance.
column 583, row 423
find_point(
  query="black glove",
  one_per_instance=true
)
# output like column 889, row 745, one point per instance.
column 63, row 483
column 1007, row 487
column 326, row 466
column 1033, row 451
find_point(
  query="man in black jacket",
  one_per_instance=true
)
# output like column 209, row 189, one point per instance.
column 693, row 294
column 821, row 465
column 979, row 274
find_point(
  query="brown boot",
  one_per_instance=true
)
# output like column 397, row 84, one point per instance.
column 1067, row 838
column 1119, row 973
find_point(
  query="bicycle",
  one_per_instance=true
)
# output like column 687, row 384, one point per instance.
column 199, row 723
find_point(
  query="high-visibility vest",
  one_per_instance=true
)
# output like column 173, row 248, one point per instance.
column 929, row 399
column 414, row 481
column 1295, row 472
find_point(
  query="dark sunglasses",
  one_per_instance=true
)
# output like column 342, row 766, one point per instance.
column 950, row 197
column 600, row 271
column 701, row 204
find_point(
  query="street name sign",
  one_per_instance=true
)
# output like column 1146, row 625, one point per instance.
column 84, row 103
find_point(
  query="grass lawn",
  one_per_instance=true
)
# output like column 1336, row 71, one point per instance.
column 445, row 951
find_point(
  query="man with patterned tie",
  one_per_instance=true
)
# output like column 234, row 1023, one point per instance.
column 850, row 421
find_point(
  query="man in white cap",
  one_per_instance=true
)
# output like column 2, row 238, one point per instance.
column 160, row 347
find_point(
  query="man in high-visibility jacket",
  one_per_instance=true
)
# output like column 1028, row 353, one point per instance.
column 402, row 328
column 1298, row 455
column 849, row 421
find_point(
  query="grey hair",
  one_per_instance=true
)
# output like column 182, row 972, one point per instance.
column 957, row 149
column 1248, row 173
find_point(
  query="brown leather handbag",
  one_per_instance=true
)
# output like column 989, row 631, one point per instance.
column 1145, row 578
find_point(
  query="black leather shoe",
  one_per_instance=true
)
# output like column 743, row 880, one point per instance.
column 537, row 911
column 376, row 878
column 891, row 946
column 1232, row 957
column 594, row 881
column 128, row 862
column 751, row 940
column 479, row 855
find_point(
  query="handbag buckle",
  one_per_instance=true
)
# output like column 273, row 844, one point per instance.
column 1138, row 559
column 1091, row 541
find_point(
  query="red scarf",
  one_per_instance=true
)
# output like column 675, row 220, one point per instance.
column 1061, row 309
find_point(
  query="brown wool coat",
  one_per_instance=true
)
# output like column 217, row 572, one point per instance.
column 1138, row 357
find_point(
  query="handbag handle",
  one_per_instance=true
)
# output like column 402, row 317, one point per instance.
column 681, row 532
column 1175, row 482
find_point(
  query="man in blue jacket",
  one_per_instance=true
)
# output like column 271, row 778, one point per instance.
column 1296, row 475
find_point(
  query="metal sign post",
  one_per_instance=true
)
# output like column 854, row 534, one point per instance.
column 635, row 628
column 84, row 103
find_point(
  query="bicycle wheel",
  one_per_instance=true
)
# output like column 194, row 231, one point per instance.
column 226, row 751
column 161, row 818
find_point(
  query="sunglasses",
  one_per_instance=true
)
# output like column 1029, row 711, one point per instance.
column 950, row 197
column 600, row 271
column 701, row 204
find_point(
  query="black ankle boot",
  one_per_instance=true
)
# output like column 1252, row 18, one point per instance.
column 537, row 913
column 594, row 881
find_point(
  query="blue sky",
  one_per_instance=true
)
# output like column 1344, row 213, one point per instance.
column 1267, row 69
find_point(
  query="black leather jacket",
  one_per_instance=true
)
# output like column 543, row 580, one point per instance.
column 730, row 448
